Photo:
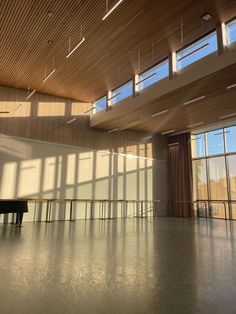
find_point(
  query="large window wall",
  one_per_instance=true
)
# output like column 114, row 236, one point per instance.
column 214, row 172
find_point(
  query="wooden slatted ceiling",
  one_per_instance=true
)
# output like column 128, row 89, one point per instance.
column 110, row 55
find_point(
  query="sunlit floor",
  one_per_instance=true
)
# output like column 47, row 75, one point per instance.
column 168, row 265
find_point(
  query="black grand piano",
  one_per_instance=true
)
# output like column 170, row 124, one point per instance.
column 17, row 206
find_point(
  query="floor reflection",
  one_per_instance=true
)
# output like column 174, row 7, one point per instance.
column 118, row 266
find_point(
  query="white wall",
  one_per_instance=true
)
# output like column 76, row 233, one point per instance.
column 34, row 169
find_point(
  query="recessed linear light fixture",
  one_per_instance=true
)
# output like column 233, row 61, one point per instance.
column 231, row 86
column 113, row 130
column 206, row 16
column 70, row 121
column 193, row 100
column 147, row 138
column 168, row 132
column 112, row 9
column 159, row 113
column 133, row 123
column 75, row 48
column 195, row 124
column 173, row 144
column 31, row 94
column 228, row 116
column 50, row 74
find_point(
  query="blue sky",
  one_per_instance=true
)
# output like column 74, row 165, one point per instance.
column 215, row 142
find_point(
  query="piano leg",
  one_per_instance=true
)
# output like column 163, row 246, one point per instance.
column 19, row 218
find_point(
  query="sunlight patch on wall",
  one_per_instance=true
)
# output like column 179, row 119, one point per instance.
column 11, row 109
column 48, row 170
column 104, row 162
column 71, row 167
column 8, row 182
column 50, row 109
column 49, row 174
column 59, row 174
column 85, row 167
column 29, row 169
column 78, row 108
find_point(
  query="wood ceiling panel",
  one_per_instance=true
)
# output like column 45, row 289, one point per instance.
column 137, row 34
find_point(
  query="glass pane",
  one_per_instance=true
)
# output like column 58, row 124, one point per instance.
column 231, row 32
column 232, row 175
column 198, row 145
column 200, row 180
column 100, row 104
column 217, row 177
column 215, row 142
column 233, row 207
column 197, row 51
column 230, row 139
column 122, row 92
column 154, row 75
column 219, row 209
column 202, row 209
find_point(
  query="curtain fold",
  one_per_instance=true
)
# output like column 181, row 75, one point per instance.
column 180, row 176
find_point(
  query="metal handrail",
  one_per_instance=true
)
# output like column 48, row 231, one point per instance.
column 223, row 202
column 104, row 208
column 141, row 208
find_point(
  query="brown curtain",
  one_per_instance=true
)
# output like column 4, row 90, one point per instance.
column 180, row 176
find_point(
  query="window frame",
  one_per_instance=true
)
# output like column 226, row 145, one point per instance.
column 212, row 31
column 150, row 68
column 225, row 143
column 207, row 144
column 226, row 33
column 94, row 105
column 119, row 86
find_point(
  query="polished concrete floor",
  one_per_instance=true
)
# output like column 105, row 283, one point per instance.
column 167, row 265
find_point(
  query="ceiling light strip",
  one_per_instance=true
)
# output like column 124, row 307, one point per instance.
column 168, row 132
column 231, row 86
column 112, row 9
column 70, row 121
column 195, row 124
column 193, row 52
column 146, row 78
column 173, row 144
column 31, row 94
column 76, row 47
column 50, row 74
column 159, row 113
column 228, row 116
column 133, row 123
column 113, row 130
column 195, row 139
column 147, row 138
column 194, row 100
